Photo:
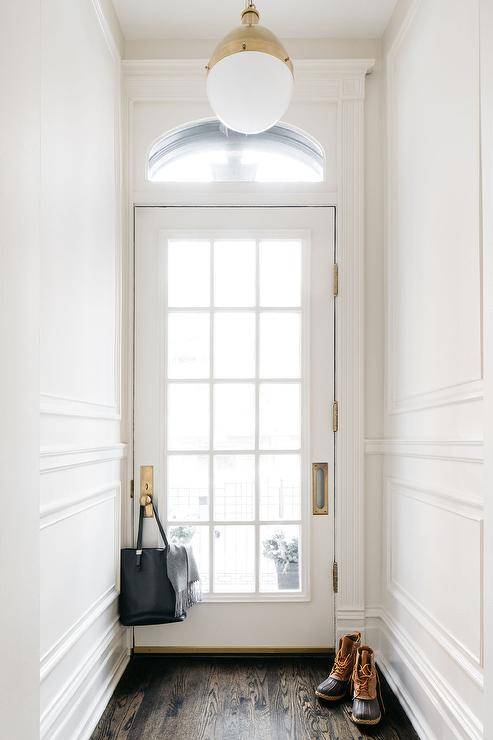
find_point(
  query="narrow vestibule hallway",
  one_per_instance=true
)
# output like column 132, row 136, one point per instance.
column 246, row 314
column 228, row 698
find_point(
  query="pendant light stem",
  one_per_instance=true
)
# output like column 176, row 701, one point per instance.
column 250, row 15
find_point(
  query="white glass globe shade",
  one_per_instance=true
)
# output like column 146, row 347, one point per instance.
column 249, row 91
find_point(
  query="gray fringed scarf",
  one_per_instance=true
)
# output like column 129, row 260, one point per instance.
column 184, row 576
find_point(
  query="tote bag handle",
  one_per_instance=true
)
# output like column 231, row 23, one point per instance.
column 141, row 527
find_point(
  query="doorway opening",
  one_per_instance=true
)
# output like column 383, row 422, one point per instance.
column 234, row 382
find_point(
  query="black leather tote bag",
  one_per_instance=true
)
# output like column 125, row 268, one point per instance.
column 146, row 593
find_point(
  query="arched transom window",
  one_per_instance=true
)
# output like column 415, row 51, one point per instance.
column 206, row 151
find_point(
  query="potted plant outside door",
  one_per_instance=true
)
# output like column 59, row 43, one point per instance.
column 284, row 553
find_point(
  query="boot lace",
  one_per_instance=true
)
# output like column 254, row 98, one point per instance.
column 341, row 664
column 360, row 682
column 363, row 677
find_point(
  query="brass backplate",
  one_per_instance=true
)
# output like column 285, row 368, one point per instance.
column 318, row 506
column 147, row 488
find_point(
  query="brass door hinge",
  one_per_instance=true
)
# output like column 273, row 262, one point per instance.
column 335, row 577
column 131, row 489
column 335, row 416
column 335, row 279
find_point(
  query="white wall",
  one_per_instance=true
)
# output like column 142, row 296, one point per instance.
column 429, row 620
column 83, row 647
column 19, row 368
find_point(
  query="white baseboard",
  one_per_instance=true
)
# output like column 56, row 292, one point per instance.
column 96, row 710
column 439, row 712
column 349, row 620
column 408, row 704
column 81, row 700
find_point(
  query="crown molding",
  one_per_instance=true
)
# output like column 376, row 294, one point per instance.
column 184, row 79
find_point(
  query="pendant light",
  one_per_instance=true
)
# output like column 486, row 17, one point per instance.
column 249, row 76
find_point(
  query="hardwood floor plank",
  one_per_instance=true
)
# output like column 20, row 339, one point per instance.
column 235, row 698
column 257, row 698
column 120, row 713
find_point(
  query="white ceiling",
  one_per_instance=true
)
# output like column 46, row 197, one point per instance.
column 204, row 19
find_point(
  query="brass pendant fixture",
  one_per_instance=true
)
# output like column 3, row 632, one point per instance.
column 250, row 76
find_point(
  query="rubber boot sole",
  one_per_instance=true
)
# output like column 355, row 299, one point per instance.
column 365, row 721
column 330, row 698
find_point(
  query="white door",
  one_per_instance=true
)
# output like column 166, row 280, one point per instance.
column 233, row 398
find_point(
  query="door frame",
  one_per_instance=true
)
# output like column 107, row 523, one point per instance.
column 339, row 83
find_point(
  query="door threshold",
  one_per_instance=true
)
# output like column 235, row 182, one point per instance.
column 230, row 650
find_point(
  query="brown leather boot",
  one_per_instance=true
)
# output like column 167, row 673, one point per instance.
column 366, row 689
column 336, row 686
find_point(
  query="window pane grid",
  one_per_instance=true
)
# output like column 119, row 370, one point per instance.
column 245, row 551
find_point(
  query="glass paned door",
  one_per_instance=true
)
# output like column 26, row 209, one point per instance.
column 228, row 304
column 235, row 350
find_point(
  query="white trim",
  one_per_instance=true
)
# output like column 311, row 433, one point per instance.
column 350, row 358
column 471, row 390
column 63, row 645
column 466, row 506
column 53, row 405
column 349, row 620
column 95, row 711
column 245, row 194
column 82, row 678
column 106, row 31
column 450, row 711
column 53, row 459
column 182, row 80
column 458, row 450
column 71, row 506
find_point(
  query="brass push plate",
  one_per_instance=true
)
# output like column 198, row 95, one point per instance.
column 147, row 488
column 320, row 488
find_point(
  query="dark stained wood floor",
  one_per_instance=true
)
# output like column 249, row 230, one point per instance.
column 216, row 698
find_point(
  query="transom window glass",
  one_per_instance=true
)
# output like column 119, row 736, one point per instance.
column 234, row 387
column 206, row 151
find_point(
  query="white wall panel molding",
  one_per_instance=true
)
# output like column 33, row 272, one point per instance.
column 465, row 506
column 470, row 387
column 461, row 393
column 53, row 405
column 100, row 670
column 63, row 645
column 468, row 505
column 464, row 451
column 51, row 514
column 57, row 404
column 59, row 512
column 434, row 707
column 63, row 458
column 84, row 649
column 184, row 80
column 431, row 632
column 376, row 624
